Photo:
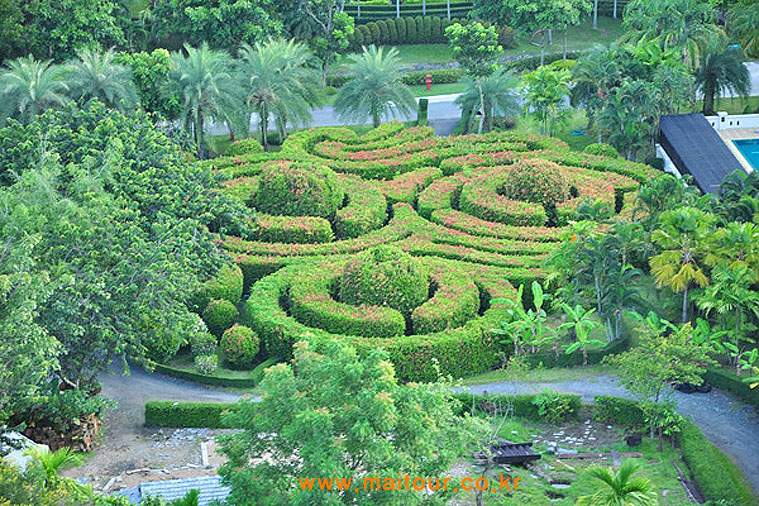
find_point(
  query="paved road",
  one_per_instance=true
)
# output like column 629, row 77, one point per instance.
column 731, row 425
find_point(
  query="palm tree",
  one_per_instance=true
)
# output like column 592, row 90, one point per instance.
column 682, row 235
column 376, row 89
column 207, row 87
column 721, row 71
column 621, row 488
column 745, row 19
column 278, row 82
column 28, row 87
column 96, row 76
column 498, row 94
column 683, row 24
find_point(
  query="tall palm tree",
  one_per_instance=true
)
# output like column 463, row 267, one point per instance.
column 97, row 76
column 621, row 488
column 498, row 94
column 376, row 88
column 278, row 82
column 721, row 71
column 744, row 16
column 682, row 235
column 687, row 25
column 207, row 86
column 29, row 86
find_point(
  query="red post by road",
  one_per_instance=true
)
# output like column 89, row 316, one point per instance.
column 428, row 81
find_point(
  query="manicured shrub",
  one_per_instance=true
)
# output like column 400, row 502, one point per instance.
column 535, row 181
column 227, row 284
column 455, row 302
column 384, row 33
column 219, row 315
column 400, row 28
column 480, row 197
column 367, row 38
column 601, row 148
column 186, row 414
column 376, row 35
column 717, row 476
column 292, row 229
column 729, row 382
column 365, row 210
column 554, row 406
column 620, row 411
column 411, row 35
column 356, row 41
column 298, row 189
column 240, row 345
column 206, row 364
column 244, row 147
column 203, row 344
column 436, row 33
column 384, row 276
column 420, row 32
column 439, row 76
column 427, row 22
column 392, row 31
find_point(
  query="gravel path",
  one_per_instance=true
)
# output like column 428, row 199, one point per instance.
column 730, row 424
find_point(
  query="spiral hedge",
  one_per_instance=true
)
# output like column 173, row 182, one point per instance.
column 479, row 212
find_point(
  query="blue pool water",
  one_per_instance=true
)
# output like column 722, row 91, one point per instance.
column 749, row 148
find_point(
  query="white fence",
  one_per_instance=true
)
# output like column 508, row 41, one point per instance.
column 725, row 121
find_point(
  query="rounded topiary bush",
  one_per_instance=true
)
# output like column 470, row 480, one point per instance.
column 202, row 343
column 240, row 345
column 244, row 146
column 384, row 276
column 535, row 181
column 219, row 315
column 298, row 189
column 206, row 364
column 601, row 148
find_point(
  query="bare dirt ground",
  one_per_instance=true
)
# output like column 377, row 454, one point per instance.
column 130, row 453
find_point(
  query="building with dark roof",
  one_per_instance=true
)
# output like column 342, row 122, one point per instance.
column 695, row 148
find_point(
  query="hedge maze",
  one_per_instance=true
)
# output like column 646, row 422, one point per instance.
column 401, row 240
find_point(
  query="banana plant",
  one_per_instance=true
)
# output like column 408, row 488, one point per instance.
column 580, row 323
column 526, row 327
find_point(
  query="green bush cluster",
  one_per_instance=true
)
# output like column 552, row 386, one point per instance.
column 186, row 414
column 602, row 149
column 203, row 343
column 717, row 476
column 480, row 198
column 292, row 229
column 384, row 276
column 365, row 210
column 244, row 147
column 219, row 315
column 298, row 189
column 617, row 410
column 240, row 346
column 535, row 181
column 521, row 405
column 206, row 364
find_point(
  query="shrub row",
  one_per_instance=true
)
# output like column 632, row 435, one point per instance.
column 205, row 379
column 227, row 284
column 620, row 411
column 403, row 30
column 186, row 414
column 406, row 187
column 480, row 198
column 457, row 220
column 595, row 356
column 521, row 405
column 730, row 382
column 717, row 476
column 456, row 301
column 365, row 211
column 293, row 229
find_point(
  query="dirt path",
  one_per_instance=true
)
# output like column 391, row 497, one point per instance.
column 128, row 445
column 730, row 424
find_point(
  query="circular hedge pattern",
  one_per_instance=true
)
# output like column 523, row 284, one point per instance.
column 298, row 189
column 384, row 276
column 478, row 213
column 240, row 345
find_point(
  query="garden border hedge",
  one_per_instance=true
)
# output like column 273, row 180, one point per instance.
column 729, row 382
column 205, row 379
column 178, row 414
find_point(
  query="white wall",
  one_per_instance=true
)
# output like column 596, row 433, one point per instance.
column 724, row 121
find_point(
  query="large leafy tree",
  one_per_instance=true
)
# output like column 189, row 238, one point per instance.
column 332, row 414
column 28, row 87
column 328, row 29
column 476, row 48
column 11, row 28
column 619, row 488
column 546, row 90
column 499, row 94
column 719, row 72
column 97, row 76
column 123, row 258
column 685, row 25
column 744, row 16
column 277, row 81
column 204, row 79
column 222, row 24
column 629, row 117
column 57, row 29
column 375, row 88
column 150, row 73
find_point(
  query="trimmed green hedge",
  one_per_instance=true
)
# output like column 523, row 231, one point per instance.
column 522, row 405
column 186, row 414
column 293, row 229
column 717, row 476
column 729, row 382
column 617, row 410
column 206, row 379
column 548, row 359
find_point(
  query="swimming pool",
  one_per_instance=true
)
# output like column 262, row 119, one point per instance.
column 749, row 148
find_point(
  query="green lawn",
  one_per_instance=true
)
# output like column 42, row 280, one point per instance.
column 747, row 105
column 184, row 361
column 538, row 375
column 436, row 89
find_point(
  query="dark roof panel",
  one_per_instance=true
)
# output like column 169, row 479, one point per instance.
column 697, row 149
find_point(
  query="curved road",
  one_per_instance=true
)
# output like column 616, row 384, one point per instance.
column 729, row 424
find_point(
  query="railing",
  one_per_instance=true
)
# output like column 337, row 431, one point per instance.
column 725, row 121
